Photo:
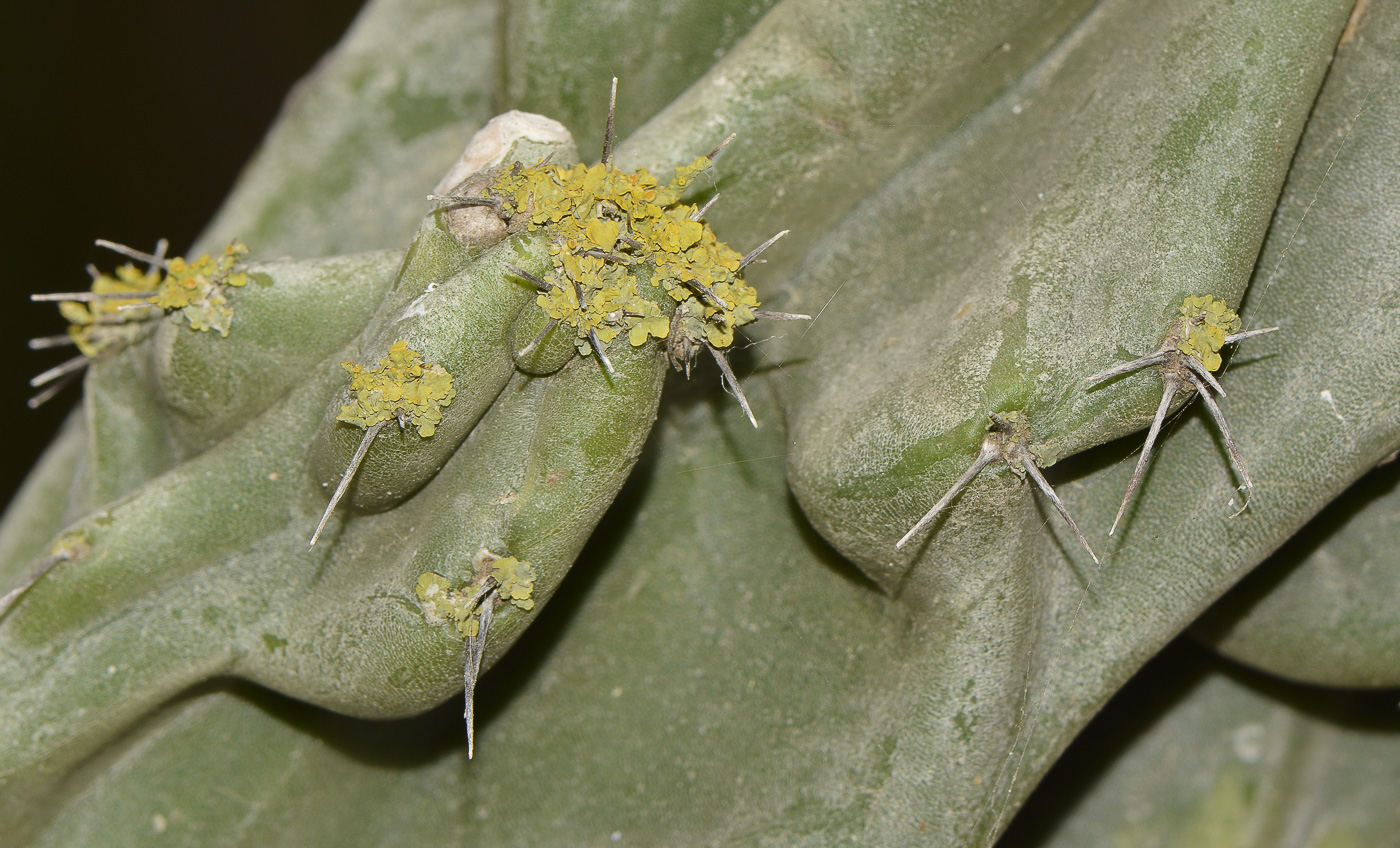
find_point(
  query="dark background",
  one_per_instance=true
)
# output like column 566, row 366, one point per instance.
column 90, row 91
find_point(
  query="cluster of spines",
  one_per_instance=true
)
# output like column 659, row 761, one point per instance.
column 1187, row 357
column 114, row 312
column 471, row 609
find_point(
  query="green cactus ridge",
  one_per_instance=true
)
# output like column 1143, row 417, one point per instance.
column 1027, row 232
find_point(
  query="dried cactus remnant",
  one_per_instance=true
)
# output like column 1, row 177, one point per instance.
column 402, row 388
column 1188, row 356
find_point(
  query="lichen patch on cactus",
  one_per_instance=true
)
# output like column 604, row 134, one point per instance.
column 199, row 289
column 1207, row 322
column 97, row 326
column 471, row 609
column 114, row 312
column 604, row 224
column 403, row 387
column 516, row 580
column 601, row 220
column 443, row 604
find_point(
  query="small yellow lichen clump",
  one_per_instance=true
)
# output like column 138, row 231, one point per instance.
column 400, row 386
column 1207, row 322
column 603, row 220
column 199, row 288
column 441, row 604
column 516, row 580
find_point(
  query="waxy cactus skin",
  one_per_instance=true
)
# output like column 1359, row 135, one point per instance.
column 988, row 207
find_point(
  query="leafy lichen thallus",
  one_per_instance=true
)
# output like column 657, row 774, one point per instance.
column 1009, row 439
column 1188, row 355
column 601, row 220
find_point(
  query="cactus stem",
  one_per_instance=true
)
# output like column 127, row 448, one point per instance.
column 347, row 477
column 701, row 210
column 77, row 363
column 538, row 283
column 1171, row 384
column 539, row 339
column 608, row 132
column 723, row 362
column 753, row 254
column 154, row 260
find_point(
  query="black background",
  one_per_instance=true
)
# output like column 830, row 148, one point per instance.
column 95, row 94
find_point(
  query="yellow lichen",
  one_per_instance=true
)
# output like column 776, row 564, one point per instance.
column 97, row 326
column 1206, row 323
column 199, row 289
column 400, row 386
column 442, row 604
column 516, row 580
column 601, row 221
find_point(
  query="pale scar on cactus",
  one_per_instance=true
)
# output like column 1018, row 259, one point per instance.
column 116, row 311
column 1188, row 356
column 1009, row 439
column 499, row 580
column 402, row 388
column 604, row 224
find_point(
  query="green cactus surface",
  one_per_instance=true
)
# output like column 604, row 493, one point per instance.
column 868, row 567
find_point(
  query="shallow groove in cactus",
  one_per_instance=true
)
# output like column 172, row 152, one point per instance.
column 977, row 228
column 1206, row 753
